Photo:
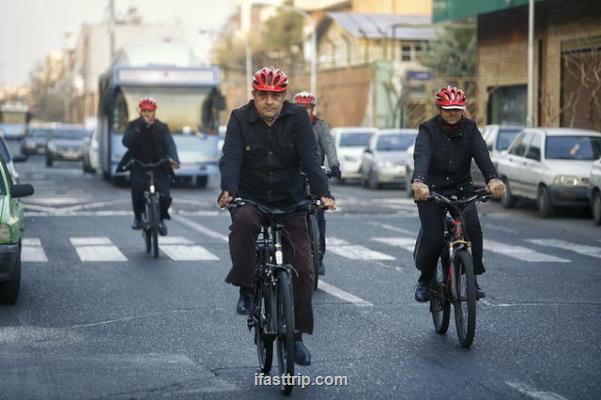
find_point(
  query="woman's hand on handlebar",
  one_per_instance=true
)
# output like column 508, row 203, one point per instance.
column 329, row 203
column 224, row 199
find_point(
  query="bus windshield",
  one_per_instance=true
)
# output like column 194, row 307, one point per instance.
column 13, row 117
column 179, row 107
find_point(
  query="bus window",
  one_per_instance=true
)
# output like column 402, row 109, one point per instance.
column 120, row 114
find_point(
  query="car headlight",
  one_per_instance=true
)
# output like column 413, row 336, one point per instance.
column 51, row 146
column 5, row 233
column 350, row 158
column 384, row 164
column 567, row 180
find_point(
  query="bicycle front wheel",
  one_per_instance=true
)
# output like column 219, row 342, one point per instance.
column 440, row 306
column 313, row 228
column 285, row 323
column 154, row 222
column 264, row 344
column 465, row 301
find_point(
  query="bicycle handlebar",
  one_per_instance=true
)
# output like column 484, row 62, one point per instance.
column 149, row 165
column 480, row 194
column 304, row 205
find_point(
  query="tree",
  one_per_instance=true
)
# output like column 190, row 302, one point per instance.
column 453, row 51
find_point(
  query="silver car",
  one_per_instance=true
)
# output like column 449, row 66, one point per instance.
column 551, row 166
column 386, row 160
column 497, row 138
column 595, row 191
column 350, row 143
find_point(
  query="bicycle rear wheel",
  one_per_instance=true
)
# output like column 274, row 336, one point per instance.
column 313, row 229
column 440, row 306
column 285, row 339
column 264, row 344
column 154, row 221
column 147, row 240
column 465, row 301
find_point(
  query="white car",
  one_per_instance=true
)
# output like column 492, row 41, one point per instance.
column 386, row 160
column 595, row 191
column 551, row 166
column 497, row 138
column 350, row 143
column 91, row 160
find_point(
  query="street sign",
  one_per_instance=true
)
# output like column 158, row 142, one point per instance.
column 419, row 75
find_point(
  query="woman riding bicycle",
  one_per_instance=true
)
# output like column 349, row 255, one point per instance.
column 443, row 152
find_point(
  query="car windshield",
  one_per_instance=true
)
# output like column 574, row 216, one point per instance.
column 395, row 142
column 505, row 138
column 37, row 133
column 69, row 134
column 355, row 139
column 573, row 148
column 4, row 153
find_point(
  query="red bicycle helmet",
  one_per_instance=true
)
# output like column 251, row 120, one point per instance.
column 450, row 97
column 147, row 103
column 305, row 99
column 270, row 79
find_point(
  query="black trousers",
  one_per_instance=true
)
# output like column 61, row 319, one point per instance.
column 430, row 241
column 321, row 222
column 139, row 183
column 244, row 231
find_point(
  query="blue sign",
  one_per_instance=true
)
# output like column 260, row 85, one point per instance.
column 419, row 75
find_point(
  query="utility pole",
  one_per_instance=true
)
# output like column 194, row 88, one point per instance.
column 245, row 28
column 112, row 29
column 530, row 100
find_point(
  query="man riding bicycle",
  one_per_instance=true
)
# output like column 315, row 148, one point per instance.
column 444, row 148
column 148, row 140
column 325, row 148
column 268, row 142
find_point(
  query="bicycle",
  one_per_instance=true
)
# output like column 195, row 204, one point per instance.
column 151, row 218
column 455, row 285
column 272, row 316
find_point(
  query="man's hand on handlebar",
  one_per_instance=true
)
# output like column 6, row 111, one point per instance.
column 420, row 190
column 329, row 203
column 224, row 199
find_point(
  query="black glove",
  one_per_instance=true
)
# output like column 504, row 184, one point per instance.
column 335, row 172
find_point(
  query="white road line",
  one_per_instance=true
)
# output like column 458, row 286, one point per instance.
column 342, row 295
column 534, row 393
column 200, row 228
column 590, row 251
column 33, row 251
column 97, row 249
column 188, row 253
column 402, row 242
column 521, row 253
column 394, row 228
column 174, row 240
column 354, row 251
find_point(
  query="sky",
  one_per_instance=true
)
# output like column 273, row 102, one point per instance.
column 29, row 29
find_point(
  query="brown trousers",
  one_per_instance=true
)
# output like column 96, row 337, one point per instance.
column 244, row 231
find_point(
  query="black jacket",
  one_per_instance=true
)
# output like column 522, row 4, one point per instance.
column 264, row 163
column 148, row 144
column 443, row 160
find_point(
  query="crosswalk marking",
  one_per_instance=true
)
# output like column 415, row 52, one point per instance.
column 355, row 251
column 342, row 295
column 188, row 253
column 521, row 253
column 33, row 251
column 174, row 240
column 97, row 249
column 402, row 242
column 590, row 251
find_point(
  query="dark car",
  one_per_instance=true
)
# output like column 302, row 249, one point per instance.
column 65, row 143
column 35, row 141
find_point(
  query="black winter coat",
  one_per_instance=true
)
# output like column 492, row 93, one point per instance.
column 443, row 160
column 264, row 163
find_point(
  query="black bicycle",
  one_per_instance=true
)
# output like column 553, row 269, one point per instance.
column 151, row 218
column 272, row 316
column 455, row 281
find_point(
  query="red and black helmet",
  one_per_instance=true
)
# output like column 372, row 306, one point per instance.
column 305, row 99
column 450, row 97
column 147, row 103
column 270, row 79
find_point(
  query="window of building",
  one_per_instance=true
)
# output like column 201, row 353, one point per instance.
column 405, row 53
column 507, row 105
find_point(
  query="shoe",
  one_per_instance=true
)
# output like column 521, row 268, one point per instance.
column 422, row 292
column 301, row 354
column 162, row 229
column 479, row 292
column 245, row 301
column 321, row 270
column 137, row 224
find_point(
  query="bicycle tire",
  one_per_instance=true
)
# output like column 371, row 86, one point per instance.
column 154, row 220
column 147, row 240
column 264, row 344
column 285, row 324
column 465, row 302
column 440, row 306
column 313, row 228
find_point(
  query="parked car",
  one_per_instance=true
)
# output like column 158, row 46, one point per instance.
column 65, row 143
column 198, row 155
column 8, row 158
column 35, row 141
column 385, row 160
column 594, row 193
column 91, row 160
column 11, row 231
column 497, row 138
column 350, row 143
column 551, row 166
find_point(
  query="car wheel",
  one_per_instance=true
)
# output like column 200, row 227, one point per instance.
column 543, row 201
column 509, row 200
column 596, row 207
column 372, row 181
column 9, row 290
column 201, row 181
column 49, row 161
